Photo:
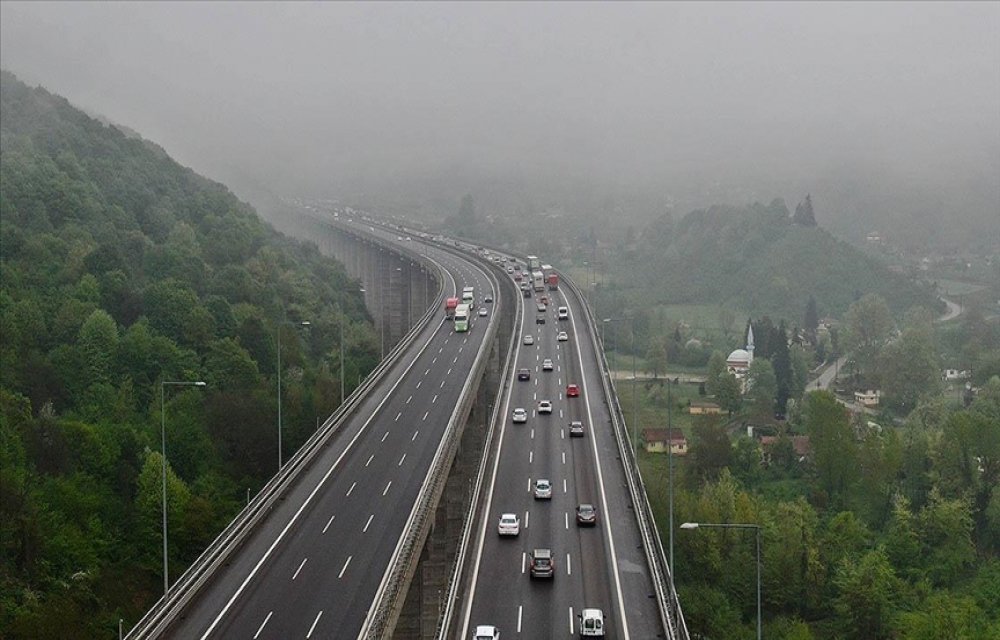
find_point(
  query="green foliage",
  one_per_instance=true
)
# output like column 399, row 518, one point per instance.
column 868, row 594
column 869, row 326
column 835, row 452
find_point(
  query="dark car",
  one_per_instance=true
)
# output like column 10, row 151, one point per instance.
column 539, row 319
column 527, row 293
column 586, row 515
column 542, row 565
column 488, row 299
column 524, row 374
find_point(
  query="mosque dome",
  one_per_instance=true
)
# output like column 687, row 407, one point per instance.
column 740, row 355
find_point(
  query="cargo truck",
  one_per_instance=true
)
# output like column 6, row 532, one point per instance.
column 462, row 314
column 538, row 280
column 553, row 281
column 449, row 308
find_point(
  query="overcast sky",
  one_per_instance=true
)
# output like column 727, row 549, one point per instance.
column 310, row 97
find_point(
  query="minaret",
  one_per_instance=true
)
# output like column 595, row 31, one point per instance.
column 750, row 342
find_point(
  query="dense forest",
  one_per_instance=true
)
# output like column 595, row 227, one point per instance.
column 121, row 271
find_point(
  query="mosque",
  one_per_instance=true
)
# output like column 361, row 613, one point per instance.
column 738, row 362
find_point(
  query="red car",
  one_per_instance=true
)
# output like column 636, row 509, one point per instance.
column 572, row 391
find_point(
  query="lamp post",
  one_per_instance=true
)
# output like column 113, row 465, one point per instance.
column 304, row 323
column 670, row 476
column 755, row 527
column 163, row 452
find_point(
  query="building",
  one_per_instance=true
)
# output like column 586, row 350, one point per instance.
column 800, row 444
column 867, row 398
column 704, row 409
column 955, row 374
column 738, row 362
column 655, row 441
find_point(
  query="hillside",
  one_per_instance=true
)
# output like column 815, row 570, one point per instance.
column 756, row 259
column 122, row 269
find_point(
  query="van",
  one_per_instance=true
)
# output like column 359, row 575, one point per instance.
column 563, row 313
column 591, row 623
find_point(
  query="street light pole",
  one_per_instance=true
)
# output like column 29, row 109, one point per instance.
column 163, row 461
column 304, row 323
column 670, row 476
column 756, row 528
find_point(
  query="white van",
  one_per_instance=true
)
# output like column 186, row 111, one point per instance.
column 591, row 623
column 563, row 313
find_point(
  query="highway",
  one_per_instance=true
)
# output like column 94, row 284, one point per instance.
column 312, row 568
column 602, row 567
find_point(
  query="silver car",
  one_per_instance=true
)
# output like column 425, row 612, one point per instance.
column 543, row 489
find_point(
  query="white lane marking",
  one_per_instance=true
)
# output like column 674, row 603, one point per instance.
column 419, row 383
column 564, row 457
column 401, row 460
column 571, row 621
column 396, row 419
column 559, row 381
column 427, row 372
column 341, row 574
column 434, row 399
column 564, row 485
column 433, row 362
column 523, row 563
column 442, row 385
column 408, row 399
column 261, row 627
column 560, row 411
column 531, row 457
column 442, row 348
column 460, row 349
column 329, row 522
column 536, row 382
column 296, row 574
column 562, row 433
column 519, row 618
column 386, row 490
column 352, row 488
column 526, row 514
column 414, row 435
column 569, row 567
column 455, row 360
column 532, row 433
column 367, row 524
column 385, row 436
column 313, row 627
column 426, row 413
column 372, row 457
column 449, row 372
column 529, row 485
column 566, row 514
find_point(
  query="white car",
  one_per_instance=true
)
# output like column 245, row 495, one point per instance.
column 529, row 339
column 547, row 364
column 543, row 489
column 509, row 525
column 562, row 337
column 563, row 313
column 482, row 311
column 520, row 415
column 544, row 406
column 486, row 632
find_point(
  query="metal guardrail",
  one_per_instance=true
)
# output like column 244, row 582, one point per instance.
column 669, row 605
column 157, row 620
column 382, row 615
column 468, row 526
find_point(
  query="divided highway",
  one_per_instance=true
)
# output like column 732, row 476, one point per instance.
column 602, row 567
column 313, row 567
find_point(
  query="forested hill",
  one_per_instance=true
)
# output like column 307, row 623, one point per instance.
column 122, row 269
column 758, row 259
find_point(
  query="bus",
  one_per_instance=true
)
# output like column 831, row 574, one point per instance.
column 534, row 264
column 462, row 314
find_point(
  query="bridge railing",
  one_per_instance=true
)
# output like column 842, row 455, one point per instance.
column 669, row 605
column 158, row 619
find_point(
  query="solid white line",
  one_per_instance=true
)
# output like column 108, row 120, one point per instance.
column 296, row 574
column 341, row 574
column 328, row 522
column 386, row 490
column 352, row 488
column 385, row 436
column 401, row 460
column 261, row 627
column 365, row 530
column 370, row 460
column 308, row 635
column 519, row 618
column 414, row 435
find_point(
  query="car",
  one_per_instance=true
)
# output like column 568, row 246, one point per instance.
column 539, row 319
column 576, row 429
column 527, row 292
column 572, row 391
column 540, row 308
column 528, row 339
column 524, row 374
column 586, row 515
column 519, row 415
column 510, row 525
column 543, row 489
column 591, row 623
column 518, row 277
column 543, row 299
column 488, row 299
column 482, row 311
column 547, row 364
column 541, row 563
column 544, row 406
column 510, row 269
column 562, row 337
column 486, row 632
column 563, row 313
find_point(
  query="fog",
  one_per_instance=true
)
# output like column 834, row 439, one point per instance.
column 886, row 113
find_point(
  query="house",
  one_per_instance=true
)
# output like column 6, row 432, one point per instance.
column 868, row 398
column 800, row 444
column 704, row 409
column 955, row 374
column 655, row 441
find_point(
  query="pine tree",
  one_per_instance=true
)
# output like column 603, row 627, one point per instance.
column 804, row 213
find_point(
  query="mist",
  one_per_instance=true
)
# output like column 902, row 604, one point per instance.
column 886, row 113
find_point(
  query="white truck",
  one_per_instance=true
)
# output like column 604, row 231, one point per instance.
column 538, row 280
column 591, row 623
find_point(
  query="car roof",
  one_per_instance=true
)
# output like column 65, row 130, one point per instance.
column 542, row 553
column 508, row 515
column 485, row 630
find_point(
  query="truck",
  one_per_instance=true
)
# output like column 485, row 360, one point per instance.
column 538, row 280
column 469, row 298
column 534, row 264
column 462, row 314
column 591, row 623
column 450, row 305
column 553, row 281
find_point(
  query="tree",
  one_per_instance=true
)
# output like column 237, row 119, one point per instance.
column 781, row 361
column 909, row 370
column 728, row 393
column 149, row 506
column 804, row 213
column 946, row 534
column 761, row 386
column 835, row 452
column 868, row 592
column 811, row 320
column 711, row 451
column 99, row 342
column 869, row 325
column 716, row 367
